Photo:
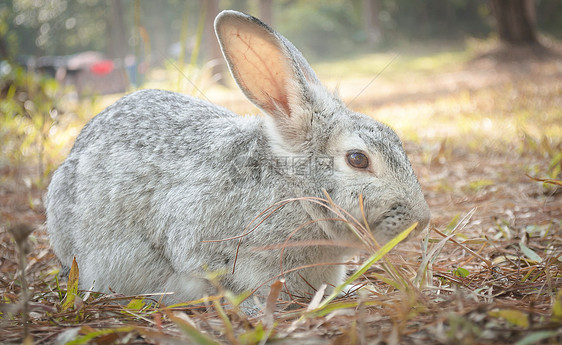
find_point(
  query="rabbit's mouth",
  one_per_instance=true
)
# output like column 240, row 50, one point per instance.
column 394, row 221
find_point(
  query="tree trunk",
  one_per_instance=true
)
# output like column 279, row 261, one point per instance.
column 155, row 22
column 515, row 20
column 118, row 46
column 266, row 11
column 240, row 5
column 210, row 43
column 372, row 22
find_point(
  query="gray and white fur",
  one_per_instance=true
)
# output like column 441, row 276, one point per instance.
column 155, row 176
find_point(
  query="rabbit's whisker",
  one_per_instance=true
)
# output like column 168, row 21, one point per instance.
column 372, row 80
column 171, row 62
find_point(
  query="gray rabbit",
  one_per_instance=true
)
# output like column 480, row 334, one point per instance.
column 158, row 184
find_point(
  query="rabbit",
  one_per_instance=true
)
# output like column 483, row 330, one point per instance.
column 159, row 186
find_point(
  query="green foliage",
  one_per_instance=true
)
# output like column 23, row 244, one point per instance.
column 557, row 307
column 8, row 38
column 60, row 293
column 319, row 29
column 512, row 316
column 57, row 26
column 136, row 305
column 538, row 337
column 479, row 184
column 529, row 253
column 30, row 106
column 461, row 272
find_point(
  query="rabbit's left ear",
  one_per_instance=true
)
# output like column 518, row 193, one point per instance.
column 270, row 71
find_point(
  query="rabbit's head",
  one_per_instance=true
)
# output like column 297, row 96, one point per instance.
column 318, row 143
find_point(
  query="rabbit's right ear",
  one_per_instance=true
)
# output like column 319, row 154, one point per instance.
column 270, row 71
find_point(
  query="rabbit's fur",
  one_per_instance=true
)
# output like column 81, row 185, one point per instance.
column 157, row 175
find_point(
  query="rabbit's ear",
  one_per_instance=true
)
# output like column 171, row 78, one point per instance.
column 271, row 72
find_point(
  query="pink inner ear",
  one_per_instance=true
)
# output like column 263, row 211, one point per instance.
column 259, row 65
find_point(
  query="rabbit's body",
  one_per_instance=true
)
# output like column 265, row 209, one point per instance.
column 167, row 186
column 156, row 179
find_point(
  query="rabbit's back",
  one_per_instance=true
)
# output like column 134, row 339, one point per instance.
column 156, row 121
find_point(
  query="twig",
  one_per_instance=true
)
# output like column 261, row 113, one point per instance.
column 488, row 262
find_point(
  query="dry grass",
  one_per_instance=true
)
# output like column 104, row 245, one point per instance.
column 488, row 271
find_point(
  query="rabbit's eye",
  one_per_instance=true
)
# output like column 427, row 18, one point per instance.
column 357, row 160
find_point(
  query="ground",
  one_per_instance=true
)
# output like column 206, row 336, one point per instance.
column 477, row 130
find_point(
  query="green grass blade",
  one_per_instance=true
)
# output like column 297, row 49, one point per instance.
column 192, row 332
column 536, row 337
column 72, row 286
column 85, row 339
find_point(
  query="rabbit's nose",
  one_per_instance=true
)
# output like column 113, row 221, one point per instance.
column 408, row 213
column 423, row 218
column 422, row 224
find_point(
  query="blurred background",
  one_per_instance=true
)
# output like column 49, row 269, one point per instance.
column 323, row 28
column 81, row 41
